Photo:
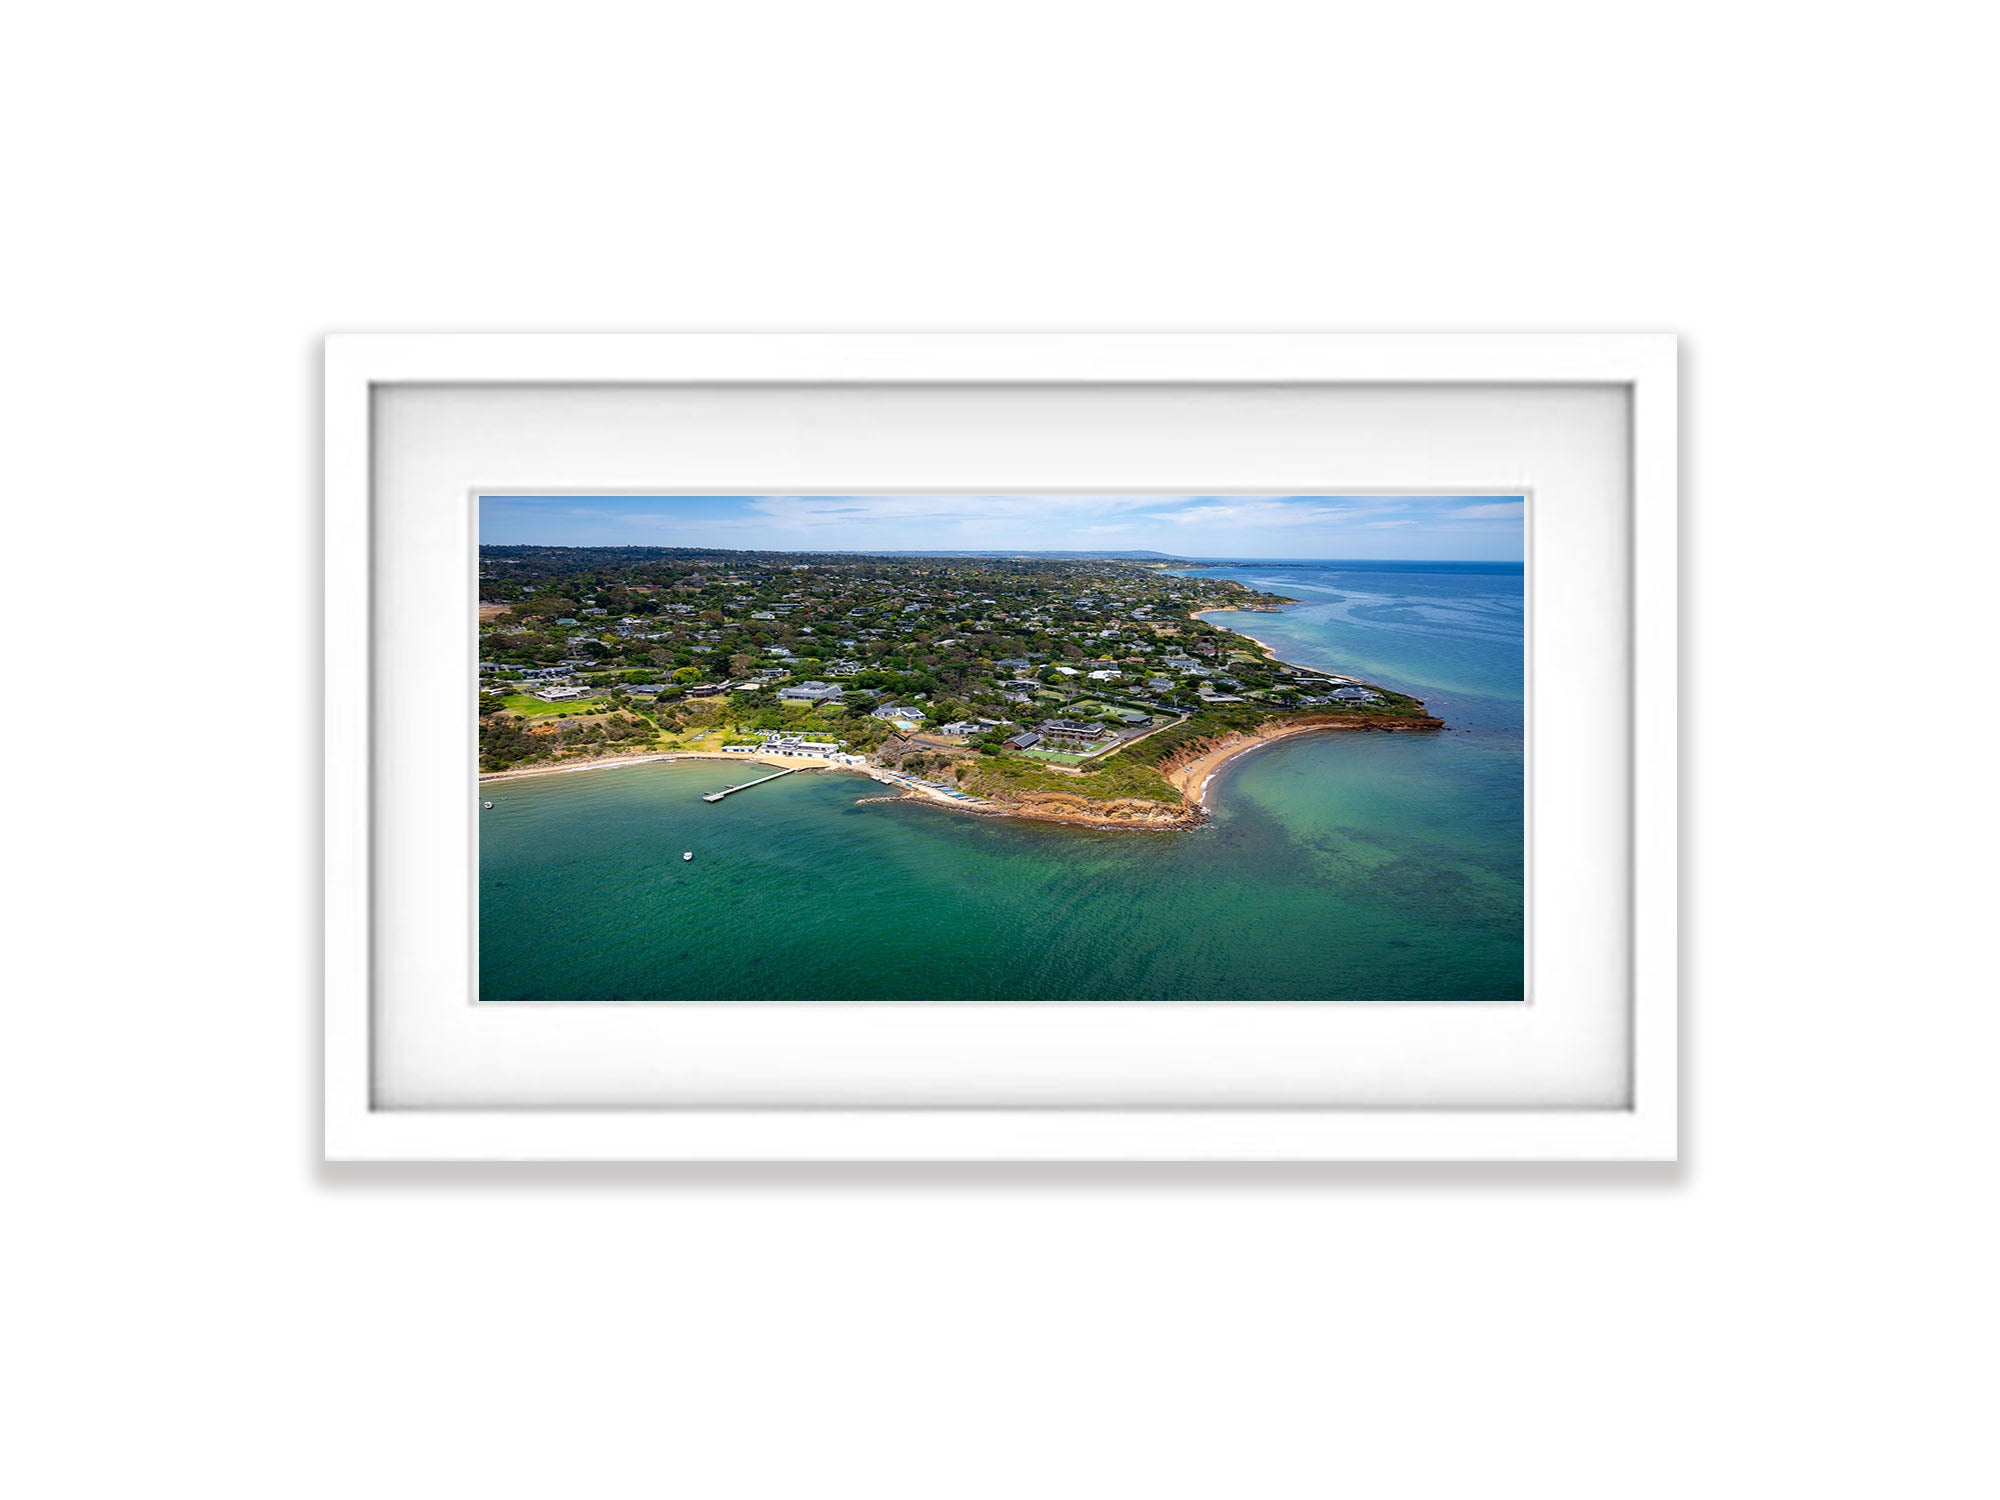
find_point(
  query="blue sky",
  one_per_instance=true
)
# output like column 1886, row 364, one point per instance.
column 1460, row 527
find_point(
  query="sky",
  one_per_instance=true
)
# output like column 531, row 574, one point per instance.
column 1457, row 527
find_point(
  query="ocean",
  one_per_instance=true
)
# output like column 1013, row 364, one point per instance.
column 1336, row 867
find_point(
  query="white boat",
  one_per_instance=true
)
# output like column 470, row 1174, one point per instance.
column 688, row 855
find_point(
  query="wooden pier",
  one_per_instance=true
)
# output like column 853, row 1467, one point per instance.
column 718, row 796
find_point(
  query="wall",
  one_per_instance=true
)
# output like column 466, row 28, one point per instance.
column 202, row 191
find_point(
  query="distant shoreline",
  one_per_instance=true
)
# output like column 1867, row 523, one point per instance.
column 1268, row 649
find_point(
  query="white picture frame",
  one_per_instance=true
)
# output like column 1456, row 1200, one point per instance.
column 364, row 1121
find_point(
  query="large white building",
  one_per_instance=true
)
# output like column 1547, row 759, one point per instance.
column 811, row 692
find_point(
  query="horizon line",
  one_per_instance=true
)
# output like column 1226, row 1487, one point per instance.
column 1081, row 552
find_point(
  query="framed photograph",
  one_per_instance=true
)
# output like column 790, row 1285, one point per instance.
column 1001, row 748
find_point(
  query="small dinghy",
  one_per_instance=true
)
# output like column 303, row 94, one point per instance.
column 688, row 855
column 487, row 805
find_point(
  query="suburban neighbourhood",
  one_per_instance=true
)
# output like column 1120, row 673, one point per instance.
column 993, row 680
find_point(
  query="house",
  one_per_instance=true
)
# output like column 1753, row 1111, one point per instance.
column 791, row 744
column 560, row 694
column 1072, row 729
column 1023, row 740
column 1160, row 684
column 1183, row 663
column 1013, row 664
column 811, row 692
column 962, row 726
column 566, row 620
column 1354, row 695
column 905, row 718
column 1107, row 674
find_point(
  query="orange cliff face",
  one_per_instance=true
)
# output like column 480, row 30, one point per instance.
column 1092, row 812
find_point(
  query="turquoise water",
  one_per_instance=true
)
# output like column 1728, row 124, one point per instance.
column 1337, row 866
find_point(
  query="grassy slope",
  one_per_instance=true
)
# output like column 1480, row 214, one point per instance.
column 534, row 708
column 1114, row 776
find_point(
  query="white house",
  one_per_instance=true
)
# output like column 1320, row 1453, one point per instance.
column 790, row 744
column 811, row 692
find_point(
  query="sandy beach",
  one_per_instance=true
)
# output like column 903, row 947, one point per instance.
column 1192, row 778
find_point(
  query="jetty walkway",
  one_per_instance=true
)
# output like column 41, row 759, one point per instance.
column 718, row 796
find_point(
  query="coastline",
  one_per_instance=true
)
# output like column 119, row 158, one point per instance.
column 611, row 762
column 596, row 763
column 894, row 791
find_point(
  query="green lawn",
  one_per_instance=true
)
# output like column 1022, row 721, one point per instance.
column 1035, row 752
column 531, row 707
